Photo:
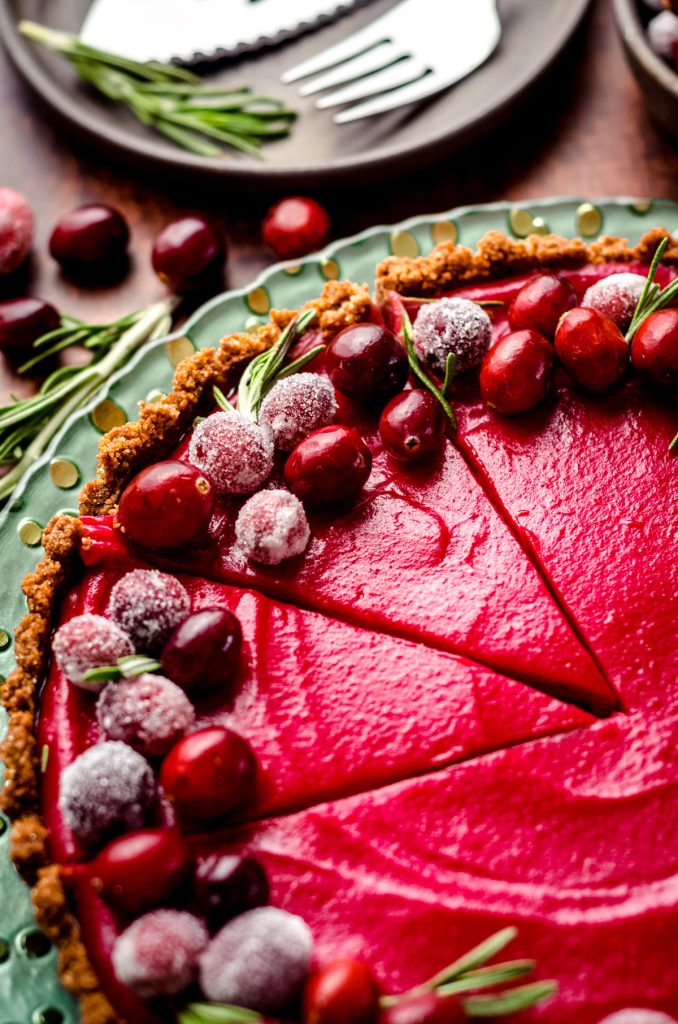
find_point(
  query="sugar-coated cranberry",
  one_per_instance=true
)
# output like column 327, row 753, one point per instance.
column 662, row 33
column 592, row 349
column 236, row 455
column 517, row 371
column 147, row 605
column 141, row 870
column 168, row 505
column 366, row 362
column 342, row 992
column 295, row 226
column 425, row 1008
column 23, row 321
column 259, row 960
column 148, row 712
column 86, row 642
column 654, row 350
column 17, row 225
column 272, row 526
column 158, row 954
column 295, row 407
column 203, row 651
column 107, row 790
column 329, row 466
column 540, row 303
column 187, row 254
column 616, row 296
column 209, row 773
column 412, row 426
column 456, row 326
column 228, row 885
column 92, row 234
column 635, row 1015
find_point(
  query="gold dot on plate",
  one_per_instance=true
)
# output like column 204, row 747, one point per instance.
column 292, row 271
column 539, row 226
column 330, row 270
column 64, row 473
column 4, row 639
column 444, row 231
column 641, row 206
column 252, row 324
column 258, row 300
column 404, row 244
column 106, row 415
column 178, row 349
column 30, row 532
column 521, row 222
column 154, row 396
column 589, row 220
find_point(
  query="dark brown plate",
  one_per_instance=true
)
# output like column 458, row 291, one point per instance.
column 318, row 151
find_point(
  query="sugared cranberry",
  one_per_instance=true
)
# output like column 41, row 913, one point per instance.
column 108, row 789
column 295, row 407
column 259, row 960
column 456, row 326
column 209, row 773
column 412, row 426
column 142, row 869
column 592, row 349
column 662, row 33
column 92, row 234
column 226, row 886
column 168, row 505
column 86, row 642
column 540, row 303
column 328, row 467
column 367, row 363
column 654, row 350
column 342, row 992
column 425, row 1008
column 23, row 321
column 203, row 651
column 236, row 455
column 148, row 712
column 16, row 229
column 295, row 226
column 158, row 954
column 187, row 254
column 147, row 605
column 616, row 296
column 272, row 526
column 517, row 372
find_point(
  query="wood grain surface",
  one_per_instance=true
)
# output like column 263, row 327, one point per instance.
column 586, row 132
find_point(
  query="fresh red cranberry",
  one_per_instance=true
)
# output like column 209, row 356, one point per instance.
column 342, row 992
column 93, row 234
column 425, row 1008
column 412, row 426
column 366, row 362
column 209, row 773
column 540, row 303
column 592, row 349
column 187, row 254
column 23, row 321
column 654, row 350
column 328, row 466
column 142, row 869
column 226, row 886
column 203, row 651
column 295, row 226
column 517, row 372
column 166, row 506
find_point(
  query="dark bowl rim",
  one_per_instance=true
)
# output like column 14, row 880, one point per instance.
column 630, row 26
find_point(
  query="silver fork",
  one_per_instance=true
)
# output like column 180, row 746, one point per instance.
column 415, row 50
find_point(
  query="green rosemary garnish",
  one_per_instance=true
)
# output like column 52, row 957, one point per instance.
column 652, row 297
column 173, row 100
column 417, row 370
column 674, row 444
column 125, row 668
column 267, row 368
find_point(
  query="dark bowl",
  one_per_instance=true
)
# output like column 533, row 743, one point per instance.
column 657, row 80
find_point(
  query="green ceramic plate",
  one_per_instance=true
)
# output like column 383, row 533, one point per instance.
column 29, row 990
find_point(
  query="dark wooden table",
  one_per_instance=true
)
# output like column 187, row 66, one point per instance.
column 585, row 132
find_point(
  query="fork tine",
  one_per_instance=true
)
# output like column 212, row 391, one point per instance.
column 400, row 74
column 419, row 90
column 350, row 47
column 373, row 60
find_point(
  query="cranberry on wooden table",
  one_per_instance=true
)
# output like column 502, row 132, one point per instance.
column 166, row 505
column 517, row 371
column 209, row 773
column 23, row 321
column 654, row 349
column 540, row 303
column 91, row 235
column 329, row 466
column 342, row 992
column 592, row 349
column 226, row 885
column 366, row 362
column 203, row 651
column 142, row 869
column 412, row 426
column 295, row 226
column 187, row 254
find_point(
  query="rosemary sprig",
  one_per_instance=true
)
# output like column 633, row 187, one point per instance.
column 267, row 368
column 652, row 297
column 417, row 370
column 172, row 100
column 125, row 668
column 674, row 444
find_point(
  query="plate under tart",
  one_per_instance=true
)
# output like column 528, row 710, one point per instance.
column 28, row 984
column 318, row 151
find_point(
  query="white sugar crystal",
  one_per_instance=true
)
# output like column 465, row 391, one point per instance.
column 148, row 712
column 147, row 605
column 236, row 455
column 86, row 642
column 272, row 526
column 296, row 406
column 158, row 954
column 452, row 325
